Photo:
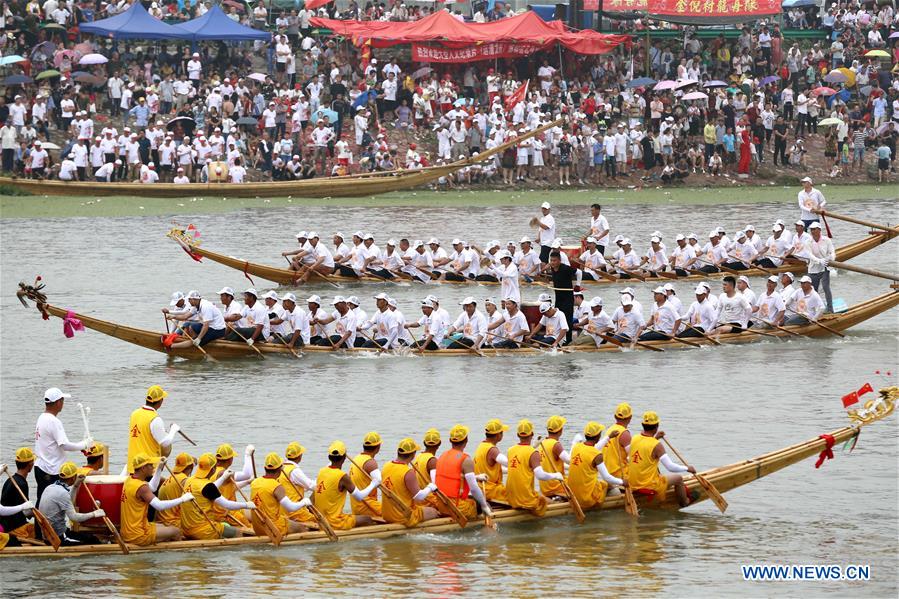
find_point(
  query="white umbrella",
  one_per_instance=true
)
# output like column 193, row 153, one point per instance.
column 49, row 145
column 663, row 85
column 696, row 96
column 257, row 77
column 11, row 59
column 684, row 83
column 93, row 59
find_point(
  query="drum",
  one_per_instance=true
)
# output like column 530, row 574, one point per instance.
column 531, row 311
column 573, row 251
column 107, row 489
column 218, row 172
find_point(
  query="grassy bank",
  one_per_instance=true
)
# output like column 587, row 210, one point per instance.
column 57, row 207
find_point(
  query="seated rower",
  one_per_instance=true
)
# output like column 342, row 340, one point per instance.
column 655, row 260
column 743, row 253
column 333, row 485
column 552, row 327
column 297, row 320
column 489, row 462
column 471, row 324
column 596, row 322
column 138, row 496
column 277, row 317
column 553, row 457
column 432, row 328
column 345, row 325
column 628, row 262
column 491, row 268
column 385, row 324
column 418, row 262
column 588, row 478
column 627, row 321
column 206, row 322
column 317, row 332
column 295, row 481
column 645, row 454
column 681, row 256
column 508, row 331
column 57, row 505
column 769, row 307
column 224, row 459
column 804, row 305
column 252, row 323
column 524, row 467
column 271, row 499
column 462, row 265
column 775, row 249
column 701, row 316
column 592, row 261
column 400, row 478
column 297, row 257
column 369, row 506
column 528, row 261
column 426, row 464
column 454, row 475
column 712, row 255
column 201, row 518
column 173, row 487
column 614, row 454
column 96, row 455
column 664, row 321
column 320, row 258
column 733, row 309
column 13, row 513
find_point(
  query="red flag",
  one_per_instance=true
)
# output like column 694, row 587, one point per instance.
column 849, row 399
column 313, row 4
column 518, row 95
column 366, row 54
column 866, row 388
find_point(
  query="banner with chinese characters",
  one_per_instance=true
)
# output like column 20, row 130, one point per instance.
column 713, row 8
column 618, row 5
column 423, row 53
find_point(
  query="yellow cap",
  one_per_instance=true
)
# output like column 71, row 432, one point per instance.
column 337, row 449
column 68, row 470
column 294, row 450
column 224, row 452
column 495, row 426
column 182, row 462
column 623, row 410
column 371, row 439
column 24, row 454
column 593, row 429
column 407, row 446
column 273, row 461
column 141, row 460
column 156, row 394
column 458, row 433
column 432, row 437
column 555, row 424
column 94, row 450
column 205, row 465
column 650, row 418
column 525, row 428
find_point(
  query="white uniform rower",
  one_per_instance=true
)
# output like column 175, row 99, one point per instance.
column 51, row 442
column 508, row 276
column 733, row 309
column 700, row 315
column 596, row 321
column 592, row 260
column 805, row 305
column 385, row 334
column 471, row 324
column 769, row 306
column 682, row 254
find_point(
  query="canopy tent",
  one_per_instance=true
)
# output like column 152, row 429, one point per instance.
column 216, row 25
column 134, row 24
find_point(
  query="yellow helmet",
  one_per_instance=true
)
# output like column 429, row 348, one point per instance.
column 650, row 418
column 68, row 470
column 432, row 437
column 555, row 424
column 371, row 439
column 273, row 461
column 623, row 410
column 24, row 454
column 294, row 450
column 156, row 394
column 337, row 449
column 525, row 428
column 458, row 433
column 407, row 446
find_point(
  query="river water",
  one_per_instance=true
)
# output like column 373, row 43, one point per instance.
column 718, row 406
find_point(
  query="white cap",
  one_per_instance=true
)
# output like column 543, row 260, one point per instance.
column 749, row 228
column 468, row 300
column 353, row 300
column 252, row 291
column 655, row 240
column 289, row 297
column 525, row 239
column 591, row 239
column 744, row 279
column 433, row 298
column 490, row 300
column 503, row 254
column 193, row 294
column 176, row 297
column 596, row 302
column 227, row 290
column 511, row 299
column 338, row 299
column 814, row 225
column 626, row 300
column 692, row 236
column 368, row 236
column 714, row 234
column 679, row 237
column 668, row 287
column 776, row 228
column 557, row 243
column 272, row 295
column 619, row 238
column 311, row 234
column 338, row 234
column 722, row 230
column 659, row 289
column 433, row 241
column 773, row 279
column 456, row 241
column 301, row 235
column 805, row 180
column 426, row 303
column 391, row 242
column 626, row 241
column 382, row 296
column 314, row 299
column 545, row 306
column 799, row 223
column 545, row 205
column 494, row 243
column 805, row 279
column 740, row 234
column 544, row 297
column 627, row 290
column 54, row 394
column 700, row 289
column 657, row 233
column 359, row 234
column 391, row 302
column 789, row 275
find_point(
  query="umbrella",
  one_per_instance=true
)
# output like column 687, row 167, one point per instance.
column 247, row 120
column 695, row 96
column 715, row 83
column 681, row 83
column 257, row 77
column 48, row 145
column 877, row 54
column 883, row 127
column 45, row 49
column 47, row 74
column 850, row 76
column 363, row 98
column 11, row 59
column 769, row 79
column 93, row 59
column 641, row 82
column 62, row 55
column 74, row 74
column 324, row 112
column 52, row 26
column 894, row 35
column 88, row 78
column 866, row 90
column 836, row 77
column 187, row 124
column 421, row 73
column 663, row 85
column 829, row 122
column 17, row 80
column 824, row 91
column 236, row 5
column 462, row 102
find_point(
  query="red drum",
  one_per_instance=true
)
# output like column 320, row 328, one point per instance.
column 573, row 251
column 107, row 489
column 531, row 311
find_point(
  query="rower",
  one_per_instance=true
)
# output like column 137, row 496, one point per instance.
column 252, row 323
column 655, row 259
column 756, row 240
column 553, row 457
column 744, row 288
column 528, row 261
column 713, row 299
column 673, row 299
column 810, row 200
column 146, row 429
column 489, row 461
column 391, row 261
column 351, row 263
column 277, row 317
column 174, row 487
column 333, row 485
column 455, row 477
column 439, row 257
column 296, row 262
column 614, row 454
column 551, row 328
column 229, row 306
column 177, row 306
column 701, row 316
column 646, row 451
column 592, row 261
column 403, row 337
column 340, row 254
column 805, row 305
column 787, row 290
column 820, row 253
column 418, row 262
column 432, row 330
column 733, row 309
column 588, row 477
column 594, row 322
column 743, row 253
column 627, row 321
column 471, row 324
column 800, row 243
column 713, row 254
column 370, row 506
column 638, row 307
column 271, row 499
column 400, row 478
column 224, row 459
column 315, row 315
column 295, row 481
column 514, row 326
column 51, row 442
column 599, row 228
column 441, row 314
column 508, row 275
column 491, row 268
column 296, row 320
column 95, row 455
column 206, row 322
column 56, row 505
column 13, row 513
column 426, row 463
column 493, row 315
column 322, row 261
column 361, row 316
column 628, row 261
column 769, row 307
column 546, row 231
column 385, row 324
column 345, row 325
column 205, row 487
column 371, row 258
column 524, row 466
column 463, row 263
column 776, row 247
column 138, row 496
column 681, row 255
column 664, row 321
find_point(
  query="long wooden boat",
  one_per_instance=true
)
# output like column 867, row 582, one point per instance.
column 724, row 478
column 284, row 276
column 349, row 186
column 234, row 349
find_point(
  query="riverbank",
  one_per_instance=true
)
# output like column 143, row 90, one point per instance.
column 65, row 207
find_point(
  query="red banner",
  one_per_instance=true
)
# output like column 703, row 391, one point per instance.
column 713, row 8
column 620, row 5
column 422, row 53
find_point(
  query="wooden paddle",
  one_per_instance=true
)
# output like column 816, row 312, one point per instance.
column 272, row 531
column 676, row 338
column 614, row 341
column 758, row 332
column 710, row 489
column 548, row 346
column 326, row 278
column 864, row 271
column 513, row 341
column 780, row 328
column 107, row 521
column 236, row 332
column 818, row 323
column 630, row 504
column 488, row 520
column 710, row 338
column 373, row 340
column 664, row 274
column 201, row 510
column 632, row 273
column 46, row 528
column 454, row 512
column 287, row 345
column 385, row 279
column 572, row 500
column 323, row 523
column 606, row 275
column 858, row 221
column 721, row 267
column 387, row 493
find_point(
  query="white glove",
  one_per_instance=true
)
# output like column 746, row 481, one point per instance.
column 162, row 461
column 188, row 497
column 250, row 505
column 88, row 442
column 27, row 506
column 99, row 514
column 249, row 342
column 825, row 263
column 481, row 478
column 488, row 512
column 305, row 502
column 431, row 487
column 229, row 473
column 249, row 450
column 196, row 342
column 174, row 429
column 558, row 476
column 577, row 439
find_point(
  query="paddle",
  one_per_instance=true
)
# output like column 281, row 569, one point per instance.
column 201, row 510
column 488, row 520
column 385, row 279
column 710, row 489
column 272, row 531
column 630, row 504
column 387, row 493
column 107, row 521
column 721, row 267
column 525, row 341
column 323, row 523
column 256, row 349
column 663, row 274
column 186, row 438
column 454, row 512
column 373, row 340
column 758, row 332
column 780, row 328
column 572, row 500
column 864, row 271
column 326, row 278
column 710, row 338
column 817, row 323
column 614, row 341
column 632, row 273
column 170, row 338
column 287, row 345
column 676, row 338
column 547, row 345
column 46, row 528
column 858, row 221
column 606, row 275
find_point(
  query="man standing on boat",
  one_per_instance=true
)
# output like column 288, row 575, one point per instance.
column 563, row 277
column 146, row 430
column 546, row 231
column 819, row 250
column 810, row 199
column 51, row 442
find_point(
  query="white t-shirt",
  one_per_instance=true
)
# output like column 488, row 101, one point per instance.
column 555, row 325
column 209, row 312
column 51, row 443
column 547, row 236
column 733, row 309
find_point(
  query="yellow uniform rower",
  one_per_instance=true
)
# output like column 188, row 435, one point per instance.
column 146, row 430
column 174, row 487
column 587, row 465
column 646, row 451
column 138, row 496
column 426, row 463
column 95, row 455
column 553, row 457
column 614, row 454
column 371, row 445
column 489, row 461
column 295, row 481
column 456, row 479
column 198, row 519
column 400, row 478
column 15, row 522
column 524, row 466
column 271, row 499
column 332, row 487
column 224, row 456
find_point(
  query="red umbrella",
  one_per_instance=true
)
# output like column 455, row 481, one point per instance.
column 824, row 91
column 62, row 55
column 236, row 5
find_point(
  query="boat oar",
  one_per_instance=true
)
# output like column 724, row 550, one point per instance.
column 758, row 332
column 721, row 267
column 710, row 489
column 271, row 529
column 488, row 520
column 256, row 349
column 454, row 512
column 630, row 504
column 385, row 279
column 864, row 271
column 818, row 323
column 373, row 340
column 323, row 523
column 548, row 346
column 326, row 278
column 858, row 221
column 387, row 493
column 632, row 273
column 614, row 341
column 676, row 338
column 663, row 274
column 46, row 528
column 572, row 500
column 704, row 335
column 107, row 521
column 287, row 345
column 523, row 341
column 780, row 328
column 180, row 486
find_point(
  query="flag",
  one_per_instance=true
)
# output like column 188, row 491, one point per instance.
column 866, row 388
column 852, row 398
column 518, row 95
column 366, row 54
column 313, row 4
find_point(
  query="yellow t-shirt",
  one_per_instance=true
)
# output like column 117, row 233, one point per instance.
column 193, row 524
column 329, row 499
column 582, row 474
column 551, row 463
column 643, row 470
column 134, row 526
column 170, row 489
column 613, row 453
column 140, row 439
column 262, row 493
column 371, row 506
column 395, row 479
column 520, row 481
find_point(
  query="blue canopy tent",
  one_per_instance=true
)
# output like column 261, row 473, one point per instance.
column 216, row 25
column 134, row 24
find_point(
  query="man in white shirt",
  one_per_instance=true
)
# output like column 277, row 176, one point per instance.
column 599, row 228
column 769, row 307
column 552, row 326
column 51, row 442
column 206, row 322
column 194, row 70
column 733, row 309
column 819, row 251
column 664, row 321
column 804, row 305
column 252, row 323
column 386, row 325
column 810, row 199
column 701, row 317
column 472, row 325
column 546, row 232
column 595, row 323
column 345, row 325
column 432, row 328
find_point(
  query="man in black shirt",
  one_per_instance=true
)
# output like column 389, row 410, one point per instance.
column 563, row 277
column 780, row 141
column 17, row 525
